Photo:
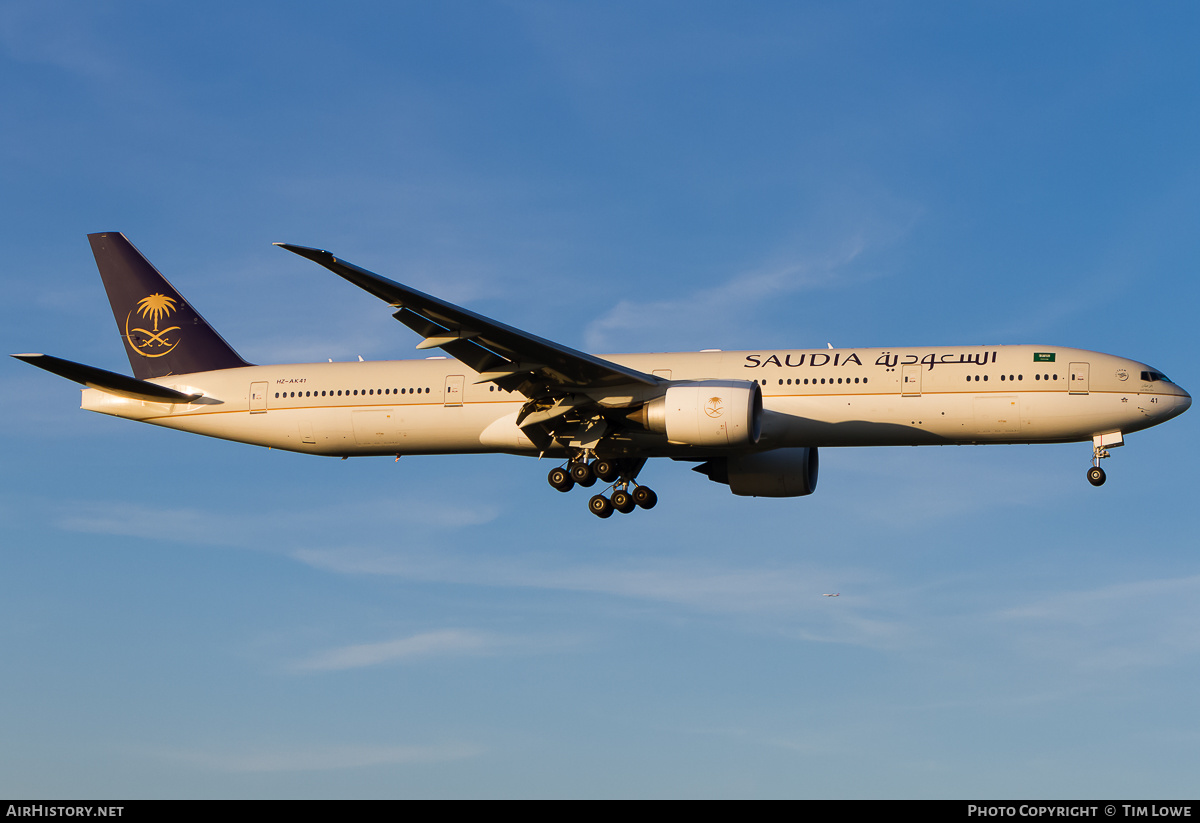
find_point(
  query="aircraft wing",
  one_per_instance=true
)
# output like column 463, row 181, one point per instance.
column 509, row 357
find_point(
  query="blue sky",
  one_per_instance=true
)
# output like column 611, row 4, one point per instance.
column 182, row 617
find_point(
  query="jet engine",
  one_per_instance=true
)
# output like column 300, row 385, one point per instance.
column 778, row 473
column 706, row 413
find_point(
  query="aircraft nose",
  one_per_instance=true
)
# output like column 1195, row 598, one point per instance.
column 1183, row 402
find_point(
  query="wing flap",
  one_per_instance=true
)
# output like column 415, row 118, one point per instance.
column 458, row 346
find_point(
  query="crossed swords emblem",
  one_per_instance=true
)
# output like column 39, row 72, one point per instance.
column 152, row 337
column 153, row 307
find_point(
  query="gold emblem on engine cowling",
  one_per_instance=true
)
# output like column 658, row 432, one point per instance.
column 152, row 342
column 713, row 408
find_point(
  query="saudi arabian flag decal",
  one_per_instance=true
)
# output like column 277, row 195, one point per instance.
column 1043, row 357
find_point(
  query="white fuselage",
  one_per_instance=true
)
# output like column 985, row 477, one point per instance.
column 824, row 397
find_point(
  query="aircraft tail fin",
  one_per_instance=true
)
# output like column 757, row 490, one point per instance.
column 163, row 334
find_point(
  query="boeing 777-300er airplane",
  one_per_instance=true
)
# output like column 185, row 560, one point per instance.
column 751, row 419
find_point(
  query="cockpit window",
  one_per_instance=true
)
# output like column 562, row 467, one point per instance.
column 1153, row 376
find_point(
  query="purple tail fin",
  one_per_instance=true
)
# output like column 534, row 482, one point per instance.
column 163, row 334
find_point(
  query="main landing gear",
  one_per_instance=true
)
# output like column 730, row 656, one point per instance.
column 626, row 494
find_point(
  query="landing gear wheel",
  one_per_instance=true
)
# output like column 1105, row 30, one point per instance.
column 622, row 501
column 1096, row 476
column 645, row 497
column 606, row 470
column 582, row 474
column 561, row 480
column 600, row 506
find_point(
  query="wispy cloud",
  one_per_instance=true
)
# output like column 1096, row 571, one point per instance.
column 778, row 592
column 447, row 642
column 253, row 530
column 830, row 251
column 325, row 758
column 720, row 587
column 1140, row 623
column 944, row 485
column 55, row 34
column 712, row 308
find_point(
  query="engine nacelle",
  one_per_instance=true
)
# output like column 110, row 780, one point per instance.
column 707, row 413
column 778, row 473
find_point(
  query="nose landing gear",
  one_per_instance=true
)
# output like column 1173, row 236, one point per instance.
column 1095, row 474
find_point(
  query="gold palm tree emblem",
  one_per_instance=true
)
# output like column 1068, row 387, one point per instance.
column 155, row 307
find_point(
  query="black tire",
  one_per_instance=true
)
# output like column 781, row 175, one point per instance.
column 606, row 470
column 1096, row 476
column 645, row 497
column 600, row 506
column 561, row 480
column 583, row 475
column 623, row 502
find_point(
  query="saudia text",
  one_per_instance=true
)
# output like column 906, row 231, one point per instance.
column 793, row 360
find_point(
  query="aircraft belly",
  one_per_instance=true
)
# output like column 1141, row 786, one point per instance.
column 1058, row 415
column 377, row 427
column 502, row 434
column 425, row 429
column 948, row 417
column 997, row 416
column 859, row 420
column 438, row 429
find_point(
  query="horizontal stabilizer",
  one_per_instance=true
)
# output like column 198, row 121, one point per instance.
column 107, row 381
